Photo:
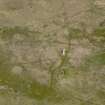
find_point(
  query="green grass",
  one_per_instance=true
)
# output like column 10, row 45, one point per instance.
column 7, row 33
column 97, row 37
column 25, row 85
column 74, row 33
column 98, row 59
column 100, row 32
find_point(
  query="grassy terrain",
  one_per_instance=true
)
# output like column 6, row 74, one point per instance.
column 88, row 78
column 52, row 52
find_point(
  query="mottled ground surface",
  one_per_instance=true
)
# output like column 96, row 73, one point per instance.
column 52, row 52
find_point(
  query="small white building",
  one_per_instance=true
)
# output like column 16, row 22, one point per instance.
column 63, row 51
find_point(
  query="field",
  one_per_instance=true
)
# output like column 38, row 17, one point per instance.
column 52, row 52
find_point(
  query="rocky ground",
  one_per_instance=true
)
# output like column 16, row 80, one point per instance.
column 52, row 52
